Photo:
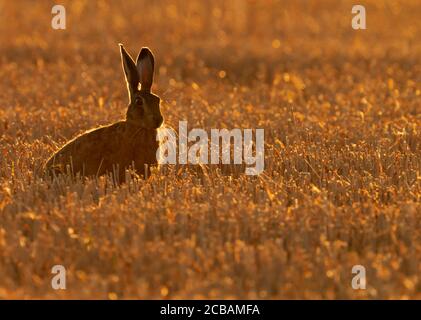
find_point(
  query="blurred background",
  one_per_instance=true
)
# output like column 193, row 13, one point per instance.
column 223, row 43
column 218, row 44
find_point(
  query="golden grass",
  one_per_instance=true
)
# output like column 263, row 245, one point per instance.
column 342, row 182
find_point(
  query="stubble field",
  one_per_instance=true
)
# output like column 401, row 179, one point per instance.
column 342, row 179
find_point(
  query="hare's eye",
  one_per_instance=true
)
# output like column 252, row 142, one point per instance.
column 139, row 101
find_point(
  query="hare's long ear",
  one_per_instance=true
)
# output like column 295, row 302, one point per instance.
column 145, row 64
column 130, row 71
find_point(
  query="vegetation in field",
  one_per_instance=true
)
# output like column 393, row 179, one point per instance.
column 342, row 179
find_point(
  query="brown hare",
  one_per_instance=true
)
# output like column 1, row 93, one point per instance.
column 127, row 143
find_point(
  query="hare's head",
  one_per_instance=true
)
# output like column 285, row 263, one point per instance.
column 144, row 108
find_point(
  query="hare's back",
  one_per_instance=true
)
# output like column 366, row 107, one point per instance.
column 92, row 152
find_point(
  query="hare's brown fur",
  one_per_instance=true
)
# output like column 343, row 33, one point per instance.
column 101, row 151
column 128, row 143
